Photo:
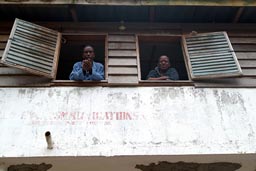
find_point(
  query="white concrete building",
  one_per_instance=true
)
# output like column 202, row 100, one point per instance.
column 202, row 122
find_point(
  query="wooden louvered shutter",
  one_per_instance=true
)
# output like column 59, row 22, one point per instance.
column 210, row 55
column 122, row 59
column 33, row 48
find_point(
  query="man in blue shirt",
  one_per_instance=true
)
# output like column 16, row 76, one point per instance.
column 87, row 69
column 163, row 71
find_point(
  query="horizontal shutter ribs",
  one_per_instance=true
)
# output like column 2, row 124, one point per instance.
column 34, row 52
column 211, row 55
column 28, row 64
column 36, row 38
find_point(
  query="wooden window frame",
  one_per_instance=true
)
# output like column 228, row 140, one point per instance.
column 67, row 82
column 238, row 73
column 35, row 31
column 164, row 37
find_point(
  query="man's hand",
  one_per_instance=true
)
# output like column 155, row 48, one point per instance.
column 87, row 65
column 164, row 78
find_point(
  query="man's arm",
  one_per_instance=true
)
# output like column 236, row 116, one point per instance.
column 98, row 72
column 77, row 72
column 154, row 76
column 173, row 74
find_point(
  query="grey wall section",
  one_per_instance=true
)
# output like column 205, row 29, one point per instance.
column 127, row 121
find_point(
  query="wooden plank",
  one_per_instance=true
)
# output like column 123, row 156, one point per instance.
column 106, row 58
column 56, row 56
column 244, row 48
column 121, row 38
column 241, row 34
column 7, row 81
column 122, row 53
column 4, row 38
column 130, row 79
column 2, row 45
column 243, row 40
column 121, row 46
column 1, row 53
column 247, row 63
column 242, row 82
column 238, row 14
column 122, row 62
column 12, row 71
column 246, row 55
column 140, row 3
column 138, row 57
column 249, row 72
column 122, row 70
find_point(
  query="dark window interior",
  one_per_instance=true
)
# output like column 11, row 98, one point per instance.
column 71, row 52
column 152, row 47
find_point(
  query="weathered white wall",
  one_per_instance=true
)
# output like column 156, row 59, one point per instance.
column 96, row 121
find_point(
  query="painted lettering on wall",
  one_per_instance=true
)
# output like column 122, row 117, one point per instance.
column 92, row 118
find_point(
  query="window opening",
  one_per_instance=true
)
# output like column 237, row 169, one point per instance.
column 152, row 47
column 72, row 49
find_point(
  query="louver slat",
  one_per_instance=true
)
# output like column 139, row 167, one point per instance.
column 210, row 55
column 33, row 48
column 122, row 59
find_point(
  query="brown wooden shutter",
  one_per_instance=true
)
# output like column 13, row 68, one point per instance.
column 210, row 55
column 33, row 48
column 122, row 59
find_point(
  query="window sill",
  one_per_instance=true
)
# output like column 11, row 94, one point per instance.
column 166, row 83
column 105, row 83
column 79, row 83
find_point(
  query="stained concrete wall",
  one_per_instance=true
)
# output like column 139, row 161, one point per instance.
column 97, row 121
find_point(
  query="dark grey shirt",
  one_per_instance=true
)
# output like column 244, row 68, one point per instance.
column 171, row 73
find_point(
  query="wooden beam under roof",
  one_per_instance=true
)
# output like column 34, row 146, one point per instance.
column 238, row 14
column 73, row 12
column 138, row 2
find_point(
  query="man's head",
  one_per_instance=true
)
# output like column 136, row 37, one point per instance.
column 164, row 63
column 88, row 53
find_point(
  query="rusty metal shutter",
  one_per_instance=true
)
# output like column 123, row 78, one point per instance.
column 33, row 48
column 210, row 55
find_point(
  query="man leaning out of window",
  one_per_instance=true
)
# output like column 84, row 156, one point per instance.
column 87, row 69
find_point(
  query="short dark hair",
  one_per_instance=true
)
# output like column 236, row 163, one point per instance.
column 161, row 56
column 88, row 46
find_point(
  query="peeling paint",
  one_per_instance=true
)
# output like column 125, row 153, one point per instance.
column 127, row 121
column 185, row 166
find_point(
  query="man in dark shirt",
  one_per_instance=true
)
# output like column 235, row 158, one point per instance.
column 163, row 71
column 87, row 69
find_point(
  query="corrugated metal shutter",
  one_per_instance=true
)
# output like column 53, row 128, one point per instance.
column 33, row 48
column 210, row 55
